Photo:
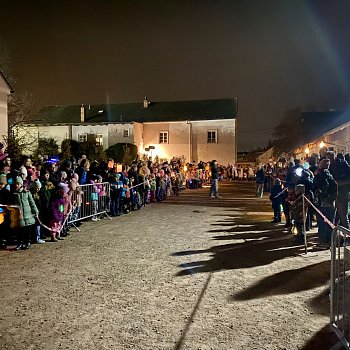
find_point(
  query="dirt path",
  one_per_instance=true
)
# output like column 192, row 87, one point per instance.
column 189, row 273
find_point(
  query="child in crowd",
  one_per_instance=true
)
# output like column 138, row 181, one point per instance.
column 35, row 189
column 57, row 213
column 153, row 187
column 24, row 200
column 95, row 189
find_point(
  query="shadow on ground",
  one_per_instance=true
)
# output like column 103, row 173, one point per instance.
column 324, row 339
column 289, row 281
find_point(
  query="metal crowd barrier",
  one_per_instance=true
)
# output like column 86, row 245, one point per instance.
column 87, row 203
column 340, row 285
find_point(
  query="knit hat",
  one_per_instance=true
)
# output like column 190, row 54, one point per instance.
column 324, row 164
column 299, row 189
column 64, row 187
column 19, row 180
column 36, row 185
column 23, row 170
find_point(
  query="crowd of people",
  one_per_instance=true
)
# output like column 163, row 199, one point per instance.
column 37, row 197
column 323, row 180
column 42, row 198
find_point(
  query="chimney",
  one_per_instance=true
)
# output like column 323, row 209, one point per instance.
column 145, row 102
column 82, row 114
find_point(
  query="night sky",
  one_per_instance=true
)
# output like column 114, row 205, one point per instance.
column 271, row 55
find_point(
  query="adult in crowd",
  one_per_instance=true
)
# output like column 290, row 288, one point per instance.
column 325, row 193
column 214, row 188
column 340, row 171
column 260, row 180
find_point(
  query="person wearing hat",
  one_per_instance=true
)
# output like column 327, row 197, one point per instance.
column 35, row 190
column 325, row 191
column 29, row 212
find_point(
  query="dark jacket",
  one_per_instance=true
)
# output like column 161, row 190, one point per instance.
column 214, row 171
column 325, row 189
column 260, row 176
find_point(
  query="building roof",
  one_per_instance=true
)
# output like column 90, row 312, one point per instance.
column 316, row 124
column 135, row 112
column 6, row 82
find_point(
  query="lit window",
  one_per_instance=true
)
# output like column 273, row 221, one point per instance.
column 82, row 137
column 99, row 139
column 163, row 137
column 212, row 134
column 126, row 133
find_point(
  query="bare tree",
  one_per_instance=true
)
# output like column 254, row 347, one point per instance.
column 20, row 106
column 288, row 133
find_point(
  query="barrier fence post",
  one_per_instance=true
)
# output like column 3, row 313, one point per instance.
column 340, row 285
column 304, row 223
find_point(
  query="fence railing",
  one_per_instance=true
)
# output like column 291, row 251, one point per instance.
column 88, row 201
column 340, row 285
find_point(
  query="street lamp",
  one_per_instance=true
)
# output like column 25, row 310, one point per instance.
column 321, row 144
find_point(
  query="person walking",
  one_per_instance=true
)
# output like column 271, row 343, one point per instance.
column 214, row 189
column 260, row 180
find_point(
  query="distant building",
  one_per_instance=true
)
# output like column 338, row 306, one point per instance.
column 198, row 130
column 329, row 129
column 5, row 90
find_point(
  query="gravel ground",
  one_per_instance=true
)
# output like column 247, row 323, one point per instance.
column 188, row 273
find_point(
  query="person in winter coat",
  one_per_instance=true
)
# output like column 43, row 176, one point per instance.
column 325, row 193
column 306, row 179
column 260, row 180
column 276, row 197
column 214, row 188
column 296, row 213
column 57, row 213
column 29, row 212
column 35, row 190
column 341, row 174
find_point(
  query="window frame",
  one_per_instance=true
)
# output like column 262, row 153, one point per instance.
column 211, row 140
column 126, row 131
column 99, row 137
column 162, row 133
column 84, row 136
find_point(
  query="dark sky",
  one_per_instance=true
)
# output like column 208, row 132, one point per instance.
column 272, row 55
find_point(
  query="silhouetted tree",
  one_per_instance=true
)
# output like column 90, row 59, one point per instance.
column 288, row 133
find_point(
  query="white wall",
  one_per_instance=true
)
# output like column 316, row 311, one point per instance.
column 224, row 151
column 138, row 137
column 178, row 134
column 115, row 133
column 31, row 134
column 90, row 129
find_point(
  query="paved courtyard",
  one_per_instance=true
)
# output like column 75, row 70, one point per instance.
column 189, row 273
